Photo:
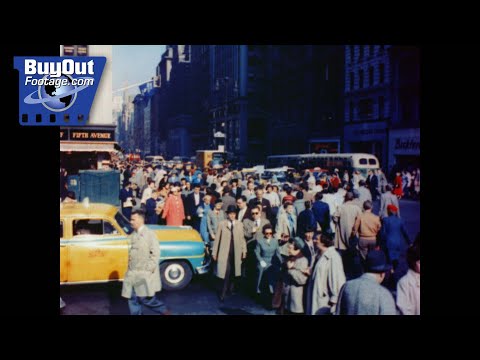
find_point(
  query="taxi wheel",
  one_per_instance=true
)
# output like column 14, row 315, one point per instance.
column 175, row 275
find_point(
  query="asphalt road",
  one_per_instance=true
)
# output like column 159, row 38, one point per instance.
column 199, row 298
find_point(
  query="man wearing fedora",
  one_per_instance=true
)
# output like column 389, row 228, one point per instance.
column 365, row 295
column 229, row 250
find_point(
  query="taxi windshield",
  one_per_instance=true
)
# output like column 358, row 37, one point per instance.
column 124, row 223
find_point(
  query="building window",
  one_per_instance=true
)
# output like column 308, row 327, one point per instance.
column 365, row 109
column 352, row 108
column 360, row 52
column 352, row 52
column 326, row 72
column 369, row 50
column 381, row 107
column 360, row 80
column 370, row 76
column 382, row 73
column 352, row 81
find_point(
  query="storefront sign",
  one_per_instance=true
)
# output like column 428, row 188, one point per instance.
column 64, row 134
column 407, row 145
column 87, row 135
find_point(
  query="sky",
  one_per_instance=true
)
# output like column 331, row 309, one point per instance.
column 134, row 64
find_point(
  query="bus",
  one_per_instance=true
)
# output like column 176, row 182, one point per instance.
column 350, row 162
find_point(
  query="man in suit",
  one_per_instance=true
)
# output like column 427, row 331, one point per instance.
column 235, row 191
column 142, row 279
column 192, row 202
column 253, row 228
column 266, row 208
column 373, row 185
column 243, row 210
column 309, row 250
column 388, row 199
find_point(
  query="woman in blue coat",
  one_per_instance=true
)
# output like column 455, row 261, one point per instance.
column 266, row 250
column 395, row 243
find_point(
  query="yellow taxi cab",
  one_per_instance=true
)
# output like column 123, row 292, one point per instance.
column 94, row 247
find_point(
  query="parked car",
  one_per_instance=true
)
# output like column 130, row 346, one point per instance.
column 94, row 247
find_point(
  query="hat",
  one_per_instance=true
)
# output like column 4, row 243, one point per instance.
column 231, row 208
column 392, row 208
column 299, row 243
column 376, row 262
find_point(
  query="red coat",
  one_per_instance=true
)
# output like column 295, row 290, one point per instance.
column 335, row 181
column 174, row 211
column 398, row 189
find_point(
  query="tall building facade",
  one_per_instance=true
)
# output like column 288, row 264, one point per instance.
column 201, row 100
column 368, row 99
column 404, row 134
column 382, row 102
column 307, row 99
column 239, row 99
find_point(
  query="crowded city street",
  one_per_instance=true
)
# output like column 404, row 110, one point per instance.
column 244, row 180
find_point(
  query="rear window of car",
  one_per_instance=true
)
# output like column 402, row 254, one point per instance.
column 372, row 161
column 363, row 161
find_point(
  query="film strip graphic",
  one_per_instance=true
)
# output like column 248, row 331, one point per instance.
column 49, row 119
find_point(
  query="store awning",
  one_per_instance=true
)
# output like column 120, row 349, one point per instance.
column 87, row 146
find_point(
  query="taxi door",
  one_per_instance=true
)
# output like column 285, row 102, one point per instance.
column 97, row 252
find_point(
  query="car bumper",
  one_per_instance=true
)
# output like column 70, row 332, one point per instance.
column 204, row 268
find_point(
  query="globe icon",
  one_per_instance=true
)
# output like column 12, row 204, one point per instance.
column 52, row 93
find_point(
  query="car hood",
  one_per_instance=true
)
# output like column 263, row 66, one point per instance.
column 175, row 233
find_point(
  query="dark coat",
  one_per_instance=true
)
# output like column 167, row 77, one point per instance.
column 304, row 220
column 267, row 208
column 151, row 217
column 394, row 237
column 190, row 207
column 321, row 211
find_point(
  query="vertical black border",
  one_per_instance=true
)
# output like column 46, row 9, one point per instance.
column 30, row 255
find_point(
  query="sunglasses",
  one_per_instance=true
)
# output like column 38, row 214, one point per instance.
column 255, row 213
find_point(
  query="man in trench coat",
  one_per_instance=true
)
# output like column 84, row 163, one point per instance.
column 229, row 249
column 142, row 279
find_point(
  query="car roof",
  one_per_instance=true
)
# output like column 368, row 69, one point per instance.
column 93, row 209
